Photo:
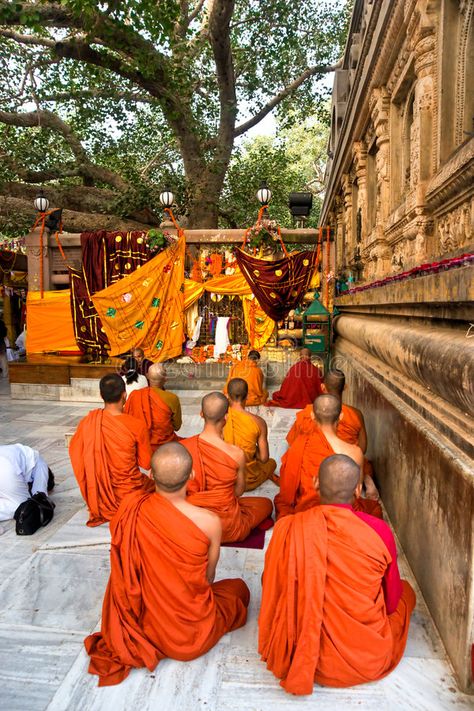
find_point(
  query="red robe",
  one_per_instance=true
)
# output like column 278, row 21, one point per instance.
column 323, row 616
column 158, row 602
column 215, row 474
column 301, row 386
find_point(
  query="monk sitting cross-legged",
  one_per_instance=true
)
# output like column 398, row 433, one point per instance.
column 334, row 609
column 219, row 479
column 300, row 464
column 350, row 426
column 107, row 451
column 249, row 370
column 161, row 600
column 159, row 409
column 301, row 385
column 249, row 432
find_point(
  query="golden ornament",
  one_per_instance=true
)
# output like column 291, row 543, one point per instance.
column 305, row 262
column 278, row 272
column 118, row 238
column 128, row 265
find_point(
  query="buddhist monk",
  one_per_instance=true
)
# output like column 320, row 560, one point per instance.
column 157, row 408
column 249, row 370
column 144, row 364
column 249, row 432
column 301, row 386
column 300, row 464
column 219, row 480
column 334, row 609
column 161, row 600
column 107, row 451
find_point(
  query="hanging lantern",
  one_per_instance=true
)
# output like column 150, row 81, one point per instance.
column 166, row 198
column 264, row 194
column 41, row 202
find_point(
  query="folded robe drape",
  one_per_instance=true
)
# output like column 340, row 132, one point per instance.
column 301, row 386
column 215, row 474
column 299, row 465
column 242, row 430
column 158, row 602
column 49, row 325
column 146, row 405
column 323, row 616
column 106, row 452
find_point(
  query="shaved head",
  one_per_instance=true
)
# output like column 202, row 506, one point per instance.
column 339, row 476
column 254, row 355
column 237, row 389
column 327, row 409
column 171, row 466
column 157, row 372
column 214, row 407
column 138, row 353
column 335, row 380
column 305, row 354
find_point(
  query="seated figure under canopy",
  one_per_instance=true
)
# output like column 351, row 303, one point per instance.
column 219, row 480
column 334, row 610
column 249, row 432
column 161, row 600
column 249, row 370
column 301, row 386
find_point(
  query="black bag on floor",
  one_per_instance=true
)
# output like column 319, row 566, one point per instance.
column 33, row 514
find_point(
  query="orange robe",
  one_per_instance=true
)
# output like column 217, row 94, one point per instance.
column 242, row 430
column 250, row 371
column 106, row 453
column 298, row 467
column 348, row 428
column 301, row 386
column 158, row 602
column 323, row 616
column 147, row 406
column 215, row 474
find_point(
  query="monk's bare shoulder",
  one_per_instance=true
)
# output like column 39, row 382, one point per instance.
column 354, row 452
column 259, row 420
column 235, row 452
column 207, row 521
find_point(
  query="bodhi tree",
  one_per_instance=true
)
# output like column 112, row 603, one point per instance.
column 102, row 101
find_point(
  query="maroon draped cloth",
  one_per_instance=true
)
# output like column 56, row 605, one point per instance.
column 106, row 258
column 278, row 285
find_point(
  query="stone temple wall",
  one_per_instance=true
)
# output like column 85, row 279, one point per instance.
column 400, row 193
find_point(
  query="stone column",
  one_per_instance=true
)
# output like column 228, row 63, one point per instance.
column 359, row 151
column 422, row 135
column 348, row 238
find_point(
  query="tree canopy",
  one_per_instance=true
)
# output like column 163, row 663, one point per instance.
column 102, row 103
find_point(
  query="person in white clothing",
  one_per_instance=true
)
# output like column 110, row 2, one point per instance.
column 23, row 472
column 131, row 376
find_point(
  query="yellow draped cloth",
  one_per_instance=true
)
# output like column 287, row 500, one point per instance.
column 146, row 309
column 259, row 326
column 242, row 430
column 49, row 324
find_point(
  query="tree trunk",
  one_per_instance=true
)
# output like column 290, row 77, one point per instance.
column 205, row 190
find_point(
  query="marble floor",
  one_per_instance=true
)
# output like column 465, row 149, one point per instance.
column 51, row 588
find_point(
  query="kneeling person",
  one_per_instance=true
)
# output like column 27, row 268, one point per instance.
column 331, row 577
column 161, row 600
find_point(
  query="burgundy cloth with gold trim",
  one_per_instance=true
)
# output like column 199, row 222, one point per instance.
column 278, row 285
column 106, row 258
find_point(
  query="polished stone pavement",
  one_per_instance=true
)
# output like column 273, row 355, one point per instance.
column 51, row 588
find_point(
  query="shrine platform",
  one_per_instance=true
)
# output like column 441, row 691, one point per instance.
column 72, row 379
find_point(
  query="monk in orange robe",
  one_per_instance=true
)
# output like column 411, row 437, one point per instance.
column 161, row 600
column 301, row 386
column 334, row 610
column 249, row 370
column 157, row 408
column 219, row 475
column 351, row 425
column 249, row 432
column 300, row 464
column 107, row 451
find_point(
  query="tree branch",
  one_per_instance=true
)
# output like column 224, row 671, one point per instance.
column 283, row 94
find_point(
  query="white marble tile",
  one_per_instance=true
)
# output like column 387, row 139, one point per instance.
column 75, row 533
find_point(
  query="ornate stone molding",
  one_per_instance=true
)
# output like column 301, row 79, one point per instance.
column 454, row 179
column 456, row 229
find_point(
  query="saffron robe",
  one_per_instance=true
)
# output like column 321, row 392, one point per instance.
column 250, row 371
column 158, row 602
column 298, row 467
column 106, row 452
column 242, row 430
column 147, row 406
column 323, row 616
column 348, row 429
column 215, row 474
column 301, row 386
